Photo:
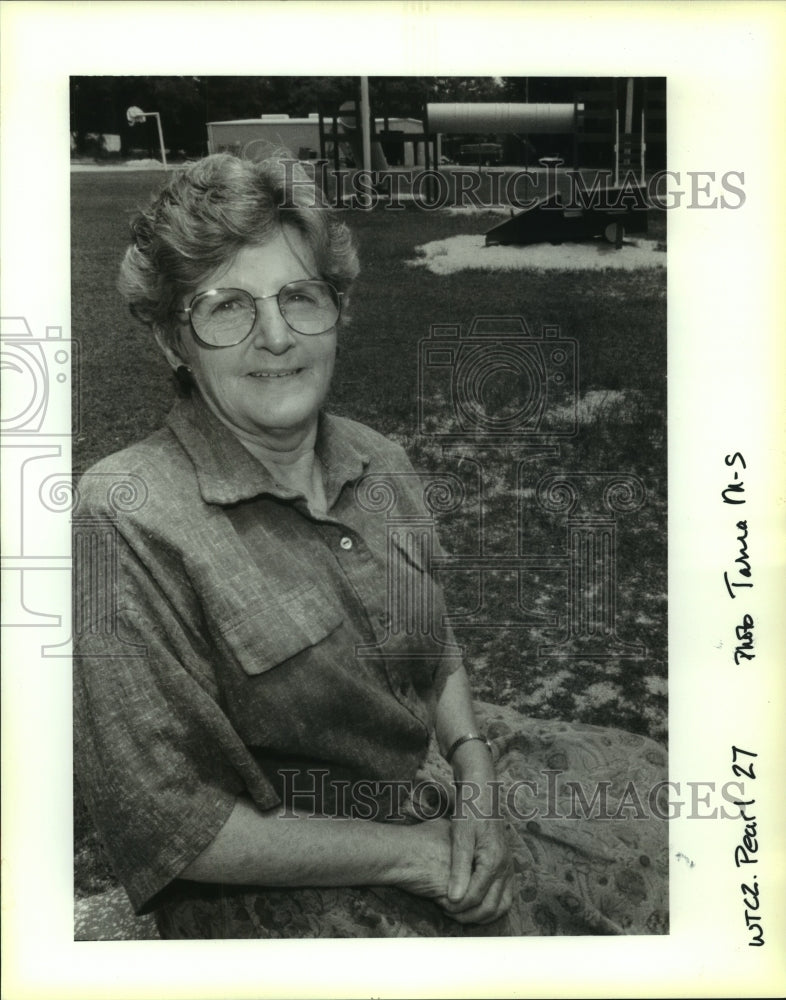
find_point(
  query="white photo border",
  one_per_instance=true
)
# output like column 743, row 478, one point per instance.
column 726, row 353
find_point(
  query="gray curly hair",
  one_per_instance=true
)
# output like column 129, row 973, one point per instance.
column 206, row 214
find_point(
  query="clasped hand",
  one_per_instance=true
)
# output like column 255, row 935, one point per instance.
column 468, row 871
column 480, row 887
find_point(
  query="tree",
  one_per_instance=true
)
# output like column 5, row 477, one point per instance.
column 469, row 89
column 92, row 108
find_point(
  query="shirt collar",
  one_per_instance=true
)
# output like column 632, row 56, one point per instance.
column 227, row 472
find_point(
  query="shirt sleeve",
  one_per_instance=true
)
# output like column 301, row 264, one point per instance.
column 448, row 664
column 158, row 762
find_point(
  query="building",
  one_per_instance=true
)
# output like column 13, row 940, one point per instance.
column 259, row 137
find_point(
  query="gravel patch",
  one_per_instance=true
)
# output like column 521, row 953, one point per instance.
column 462, row 253
column 128, row 165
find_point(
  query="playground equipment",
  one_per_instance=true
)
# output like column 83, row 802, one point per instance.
column 404, row 133
column 349, row 132
column 531, row 118
column 550, row 221
column 551, row 119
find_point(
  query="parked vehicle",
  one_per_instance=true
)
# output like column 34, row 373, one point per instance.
column 486, row 153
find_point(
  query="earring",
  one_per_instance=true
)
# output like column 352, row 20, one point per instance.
column 184, row 377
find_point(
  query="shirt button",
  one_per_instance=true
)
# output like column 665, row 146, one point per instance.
column 346, row 542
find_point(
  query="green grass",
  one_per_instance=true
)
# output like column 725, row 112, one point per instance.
column 618, row 319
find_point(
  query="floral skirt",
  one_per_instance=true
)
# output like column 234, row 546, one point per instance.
column 585, row 809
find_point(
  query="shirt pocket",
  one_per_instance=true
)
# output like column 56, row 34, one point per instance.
column 272, row 632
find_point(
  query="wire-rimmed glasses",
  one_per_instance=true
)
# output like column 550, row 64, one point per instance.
column 223, row 317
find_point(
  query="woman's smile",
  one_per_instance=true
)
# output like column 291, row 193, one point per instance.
column 284, row 373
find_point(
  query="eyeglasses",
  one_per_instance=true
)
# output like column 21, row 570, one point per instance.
column 223, row 317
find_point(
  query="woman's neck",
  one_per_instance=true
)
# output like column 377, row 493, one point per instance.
column 293, row 465
column 290, row 450
column 289, row 456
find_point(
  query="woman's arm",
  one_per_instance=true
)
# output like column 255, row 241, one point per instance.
column 461, row 864
column 480, row 888
column 256, row 848
column 456, row 716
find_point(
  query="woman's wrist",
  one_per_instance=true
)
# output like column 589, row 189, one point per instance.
column 423, row 865
column 473, row 761
column 468, row 737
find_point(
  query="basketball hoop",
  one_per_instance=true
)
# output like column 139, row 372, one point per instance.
column 135, row 115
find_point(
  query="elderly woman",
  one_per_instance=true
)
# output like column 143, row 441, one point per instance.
column 263, row 752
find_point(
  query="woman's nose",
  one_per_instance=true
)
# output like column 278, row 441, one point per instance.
column 271, row 331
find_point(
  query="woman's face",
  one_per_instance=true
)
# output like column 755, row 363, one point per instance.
column 269, row 388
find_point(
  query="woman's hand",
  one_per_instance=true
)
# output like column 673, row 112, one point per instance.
column 480, row 887
column 463, row 865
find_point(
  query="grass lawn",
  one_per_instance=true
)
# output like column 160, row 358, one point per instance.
column 617, row 318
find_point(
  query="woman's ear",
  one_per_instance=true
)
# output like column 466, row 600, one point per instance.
column 346, row 318
column 173, row 358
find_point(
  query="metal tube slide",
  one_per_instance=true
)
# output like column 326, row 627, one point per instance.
column 530, row 118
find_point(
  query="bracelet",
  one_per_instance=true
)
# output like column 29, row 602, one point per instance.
column 465, row 739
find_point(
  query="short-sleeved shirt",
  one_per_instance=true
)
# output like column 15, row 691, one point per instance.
column 231, row 641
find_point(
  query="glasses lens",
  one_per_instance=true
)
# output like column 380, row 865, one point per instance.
column 309, row 306
column 223, row 316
